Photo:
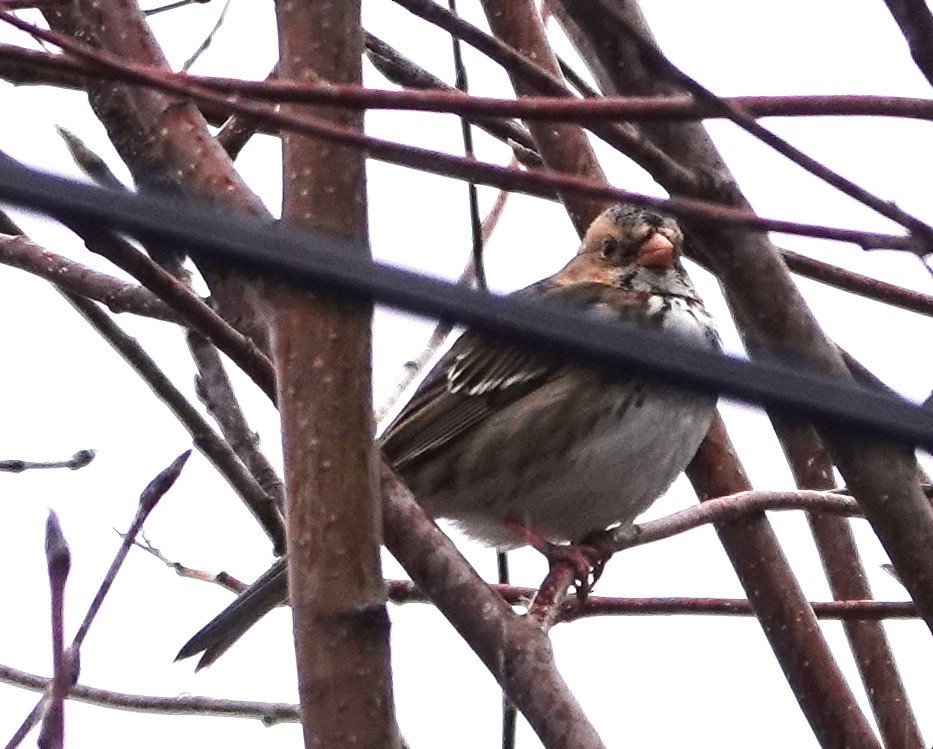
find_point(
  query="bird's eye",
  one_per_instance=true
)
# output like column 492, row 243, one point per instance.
column 608, row 249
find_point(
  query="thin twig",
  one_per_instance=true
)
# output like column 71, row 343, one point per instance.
column 77, row 461
column 58, row 556
column 208, row 40
column 731, row 508
column 269, row 713
column 67, row 669
column 592, row 110
column 551, row 596
column 224, row 579
column 148, row 500
column 403, row 592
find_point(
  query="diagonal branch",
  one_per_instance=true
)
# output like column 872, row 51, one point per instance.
column 516, row 652
column 164, row 141
column 916, row 23
column 17, row 251
column 215, row 449
column 745, row 264
column 845, row 572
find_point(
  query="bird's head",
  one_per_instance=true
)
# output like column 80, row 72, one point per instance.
column 622, row 235
column 635, row 248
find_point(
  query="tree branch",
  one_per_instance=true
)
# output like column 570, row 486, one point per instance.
column 269, row 713
column 322, row 351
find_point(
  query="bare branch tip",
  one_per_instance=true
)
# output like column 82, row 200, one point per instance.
column 57, row 553
column 157, row 488
column 81, row 459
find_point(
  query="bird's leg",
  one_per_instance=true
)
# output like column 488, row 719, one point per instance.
column 598, row 547
column 586, row 559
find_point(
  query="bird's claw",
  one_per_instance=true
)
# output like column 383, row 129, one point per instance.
column 587, row 559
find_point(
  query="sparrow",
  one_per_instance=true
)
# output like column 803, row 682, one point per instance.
column 516, row 446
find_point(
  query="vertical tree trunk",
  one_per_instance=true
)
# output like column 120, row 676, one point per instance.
column 322, row 350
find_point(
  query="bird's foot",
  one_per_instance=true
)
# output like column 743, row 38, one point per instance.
column 586, row 559
column 599, row 548
column 580, row 559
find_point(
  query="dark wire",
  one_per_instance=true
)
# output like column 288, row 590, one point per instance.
column 340, row 266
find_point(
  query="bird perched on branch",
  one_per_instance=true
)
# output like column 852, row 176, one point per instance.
column 519, row 447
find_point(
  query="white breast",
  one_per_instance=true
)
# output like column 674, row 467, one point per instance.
column 685, row 319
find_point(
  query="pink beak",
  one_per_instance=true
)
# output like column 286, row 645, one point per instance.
column 656, row 252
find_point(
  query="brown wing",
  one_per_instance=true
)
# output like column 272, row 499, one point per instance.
column 440, row 411
column 479, row 376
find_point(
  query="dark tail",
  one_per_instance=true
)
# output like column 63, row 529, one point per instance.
column 269, row 591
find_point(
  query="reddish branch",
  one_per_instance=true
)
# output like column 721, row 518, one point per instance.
column 583, row 111
column 25, row 65
column 532, row 183
column 402, row 592
column 856, row 283
column 854, row 611
column 662, row 68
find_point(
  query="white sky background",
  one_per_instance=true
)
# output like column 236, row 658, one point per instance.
column 648, row 681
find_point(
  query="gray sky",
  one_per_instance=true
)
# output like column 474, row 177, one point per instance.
column 649, row 681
